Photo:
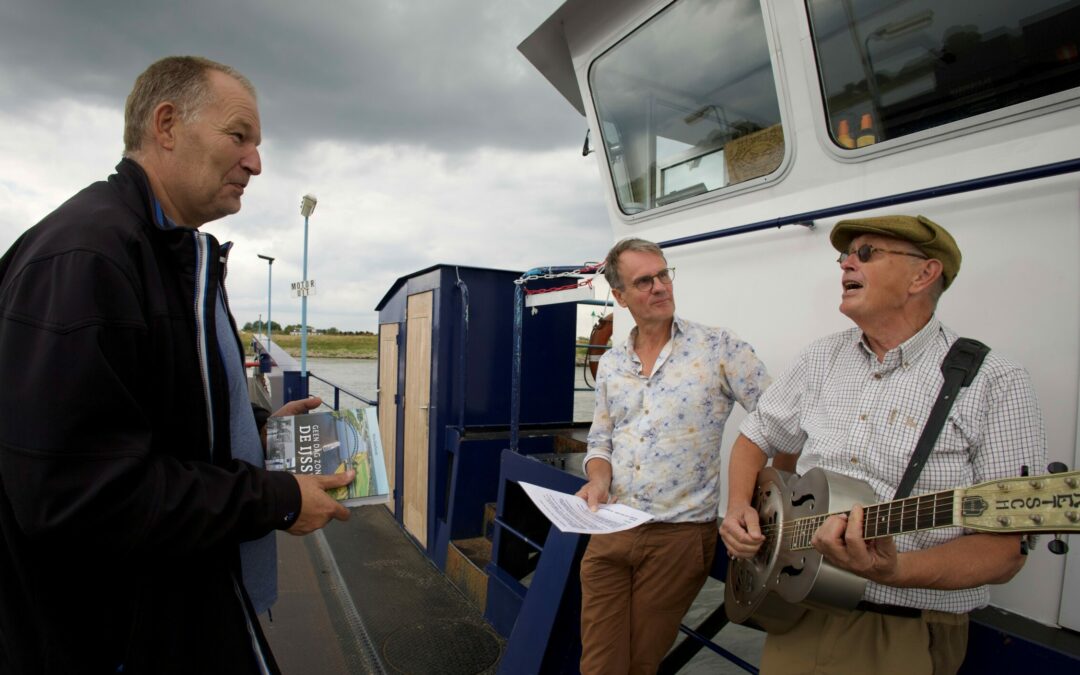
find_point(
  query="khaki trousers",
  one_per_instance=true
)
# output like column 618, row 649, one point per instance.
column 866, row 642
column 635, row 588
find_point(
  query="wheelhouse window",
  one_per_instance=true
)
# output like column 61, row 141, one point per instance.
column 687, row 103
column 890, row 68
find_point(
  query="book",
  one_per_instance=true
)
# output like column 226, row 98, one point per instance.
column 328, row 443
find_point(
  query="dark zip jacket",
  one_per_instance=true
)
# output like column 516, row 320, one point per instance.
column 121, row 508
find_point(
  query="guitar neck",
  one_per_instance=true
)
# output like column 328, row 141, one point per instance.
column 913, row 514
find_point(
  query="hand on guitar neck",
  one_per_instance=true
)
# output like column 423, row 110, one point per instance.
column 840, row 540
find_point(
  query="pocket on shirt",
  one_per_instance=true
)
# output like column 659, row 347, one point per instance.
column 949, row 461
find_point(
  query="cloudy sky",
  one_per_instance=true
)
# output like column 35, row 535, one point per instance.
column 425, row 135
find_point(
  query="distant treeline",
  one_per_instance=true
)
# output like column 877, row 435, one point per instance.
column 275, row 327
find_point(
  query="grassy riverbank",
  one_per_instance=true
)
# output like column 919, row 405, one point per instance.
column 326, row 346
column 346, row 346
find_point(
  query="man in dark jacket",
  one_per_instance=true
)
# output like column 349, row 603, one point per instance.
column 126, row 506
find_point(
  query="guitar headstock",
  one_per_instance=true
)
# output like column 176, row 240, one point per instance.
column 1049, row 503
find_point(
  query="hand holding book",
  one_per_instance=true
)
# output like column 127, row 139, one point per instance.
column 317, row 507
column 340, row 447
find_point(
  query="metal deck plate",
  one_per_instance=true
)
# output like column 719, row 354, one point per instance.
column 441, row 646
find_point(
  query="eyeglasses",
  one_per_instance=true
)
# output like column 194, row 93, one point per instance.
column 865, row 251
column 664, row 276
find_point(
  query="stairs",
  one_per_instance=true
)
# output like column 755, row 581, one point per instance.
column 467, row 558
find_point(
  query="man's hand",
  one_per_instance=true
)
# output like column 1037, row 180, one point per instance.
column 840, row 540
column 741, row 531
column 298, row 407
column 595, row 492
column 316, row 507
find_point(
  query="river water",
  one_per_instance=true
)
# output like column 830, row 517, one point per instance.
column 360, row 376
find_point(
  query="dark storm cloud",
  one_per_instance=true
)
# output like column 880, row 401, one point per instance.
column 445, row 75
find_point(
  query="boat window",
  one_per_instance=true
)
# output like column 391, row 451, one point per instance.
column 895, row 67
column 687, row 103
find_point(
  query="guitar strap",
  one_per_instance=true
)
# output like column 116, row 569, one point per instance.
column 959, row 368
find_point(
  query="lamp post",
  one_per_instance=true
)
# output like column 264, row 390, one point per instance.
column 269, row 287
column 307, row 207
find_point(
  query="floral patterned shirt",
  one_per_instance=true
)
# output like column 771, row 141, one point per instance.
column 661, row 433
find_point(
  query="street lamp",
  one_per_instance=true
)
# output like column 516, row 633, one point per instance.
column 307, row 207
column 269, row 287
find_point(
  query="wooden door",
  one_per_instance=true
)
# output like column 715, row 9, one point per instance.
column 388, row 381
column 414, row 477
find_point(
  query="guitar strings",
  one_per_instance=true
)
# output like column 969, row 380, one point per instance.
column 933, row 507
column 932, row 512
column 922, row 510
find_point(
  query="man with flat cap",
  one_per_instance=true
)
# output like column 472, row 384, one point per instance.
column 855, row 403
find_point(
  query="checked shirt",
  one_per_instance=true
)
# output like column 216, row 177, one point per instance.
column 848, row 413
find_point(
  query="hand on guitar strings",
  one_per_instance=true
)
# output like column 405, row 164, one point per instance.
column 840, row 540
column 741, row 531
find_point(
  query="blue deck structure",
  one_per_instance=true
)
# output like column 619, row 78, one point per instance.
column 470, row 388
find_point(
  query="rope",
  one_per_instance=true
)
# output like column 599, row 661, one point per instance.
column 589, row 269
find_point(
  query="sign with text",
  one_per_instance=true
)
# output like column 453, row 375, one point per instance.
column 303, row 288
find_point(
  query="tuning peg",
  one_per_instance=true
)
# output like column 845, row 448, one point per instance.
column 1057, row 467
column 1057, row 545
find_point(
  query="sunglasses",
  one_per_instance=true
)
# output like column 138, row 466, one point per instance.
column 866, row 251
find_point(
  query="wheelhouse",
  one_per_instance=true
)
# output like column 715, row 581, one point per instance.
column 737, row 132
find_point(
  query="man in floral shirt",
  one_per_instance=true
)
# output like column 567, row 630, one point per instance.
column 662, row 399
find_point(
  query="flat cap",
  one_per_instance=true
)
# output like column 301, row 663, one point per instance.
column 931, row 238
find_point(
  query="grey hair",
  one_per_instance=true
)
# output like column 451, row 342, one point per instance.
column 180, row 80
column 611, row 263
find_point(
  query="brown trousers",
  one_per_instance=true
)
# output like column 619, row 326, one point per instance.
column 635, row 588
column 839, row 643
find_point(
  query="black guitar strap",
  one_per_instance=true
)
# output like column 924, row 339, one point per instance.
column 959, row 368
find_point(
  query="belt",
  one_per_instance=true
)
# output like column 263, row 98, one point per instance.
column 889, row 610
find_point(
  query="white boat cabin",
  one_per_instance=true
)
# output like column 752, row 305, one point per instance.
column 724, row 117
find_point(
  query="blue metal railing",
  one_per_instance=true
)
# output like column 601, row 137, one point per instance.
column 712, row 646
column 338, row 391
column 995, row 180
column 519, row 318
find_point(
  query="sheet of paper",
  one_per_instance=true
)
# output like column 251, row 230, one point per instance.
column 572, row 514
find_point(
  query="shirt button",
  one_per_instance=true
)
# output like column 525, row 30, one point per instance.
column 877, row 376
column 854, row 460
column 641, row 440
column 862, row 417
column 637, row 467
